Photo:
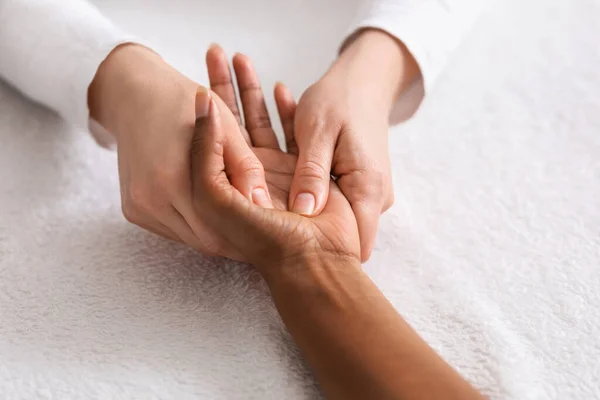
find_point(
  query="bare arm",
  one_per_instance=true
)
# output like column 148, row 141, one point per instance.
column 356, row 342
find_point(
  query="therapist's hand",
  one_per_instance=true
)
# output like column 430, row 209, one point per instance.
column 262, row 236
column 341, row 128
column 149, row 107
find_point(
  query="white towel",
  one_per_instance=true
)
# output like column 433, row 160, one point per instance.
column 492, row 250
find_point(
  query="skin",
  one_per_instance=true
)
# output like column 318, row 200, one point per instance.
column 356, row 343
column 149, row 106
column 340, row 127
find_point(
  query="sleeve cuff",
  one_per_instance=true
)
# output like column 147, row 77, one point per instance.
column 429, row 29
column 55, row 61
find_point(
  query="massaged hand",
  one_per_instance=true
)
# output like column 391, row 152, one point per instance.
column 262, row 236
column 257, row 130
column 341, row 128
column 149, row 106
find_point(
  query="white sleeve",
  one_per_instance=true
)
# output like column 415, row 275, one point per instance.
column 430, row 29
column 51, row 49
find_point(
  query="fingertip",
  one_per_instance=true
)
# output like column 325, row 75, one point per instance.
column 203, row 102
column 214, row 46
column 366, row 252
column 261, row 198
column 304, row 204
column 241, row 60
column 279, row 86
column 308, row 202
column 214, row 52
column 367, row 219
column 281, row 90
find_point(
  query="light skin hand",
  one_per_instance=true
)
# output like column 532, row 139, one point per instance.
column 150, row 108
column 341, row 128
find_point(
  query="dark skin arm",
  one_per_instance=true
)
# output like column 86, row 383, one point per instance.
column 357, row 344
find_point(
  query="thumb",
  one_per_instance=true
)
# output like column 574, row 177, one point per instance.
column 217, row 133
column 310, row 185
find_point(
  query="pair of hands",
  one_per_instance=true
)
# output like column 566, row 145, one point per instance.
column 338, row 127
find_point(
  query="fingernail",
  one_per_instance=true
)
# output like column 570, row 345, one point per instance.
column 213, row 45
column 261, row 198
column 202, row 102
column 304, row 204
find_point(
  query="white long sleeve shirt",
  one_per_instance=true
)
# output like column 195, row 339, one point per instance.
column 51, row 49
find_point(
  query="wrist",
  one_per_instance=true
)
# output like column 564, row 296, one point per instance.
column 309, row 271
column 122, row 81
column 377, row 65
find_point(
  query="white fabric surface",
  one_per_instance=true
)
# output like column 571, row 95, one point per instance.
column 492, row 250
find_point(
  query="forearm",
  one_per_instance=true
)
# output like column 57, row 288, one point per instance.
column 378, row 65
column 124, row 88
column 51, row 49
column 352, row 337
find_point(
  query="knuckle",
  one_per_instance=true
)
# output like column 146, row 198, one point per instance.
column 378, row 178
column 260, row 121
column 129, row 213
column 250, row 166
column 311, row 169
column 139, row 198
column 165, row 178
column 313, row 122
column 367, row 186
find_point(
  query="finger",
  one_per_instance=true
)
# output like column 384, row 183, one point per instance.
column 367, row 216
column 256, row 115
column 219, row 157
column 219, row 76
column 365, row 195
column 286, row 108
column 310, row 184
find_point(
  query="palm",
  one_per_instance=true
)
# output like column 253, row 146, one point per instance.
column 335, row 228
column 335, row 225
column 279, row 170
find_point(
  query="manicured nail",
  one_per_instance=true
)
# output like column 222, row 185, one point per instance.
column 261, row 198
column 202, row 102
column 304, row 204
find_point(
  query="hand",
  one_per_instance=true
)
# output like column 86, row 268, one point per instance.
column 257, row 130
column 149, row 106
column 262, row 236
column 341, row 128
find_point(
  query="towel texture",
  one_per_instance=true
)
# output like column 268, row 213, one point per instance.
column 492, row 250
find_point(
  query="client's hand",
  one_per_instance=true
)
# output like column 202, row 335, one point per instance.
column 256, row 129
column 261, row 236
column 356, row 343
